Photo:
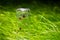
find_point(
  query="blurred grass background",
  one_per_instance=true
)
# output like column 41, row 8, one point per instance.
column 42, row 24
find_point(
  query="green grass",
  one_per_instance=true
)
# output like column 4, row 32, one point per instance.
column 42, row 24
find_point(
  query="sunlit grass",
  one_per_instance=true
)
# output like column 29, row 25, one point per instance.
column 42, row 24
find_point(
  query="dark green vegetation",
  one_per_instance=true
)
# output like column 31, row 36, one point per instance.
column 42, row 24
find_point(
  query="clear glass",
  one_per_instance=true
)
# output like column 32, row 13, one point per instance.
column 21, row 14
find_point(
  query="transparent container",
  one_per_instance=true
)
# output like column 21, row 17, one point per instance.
column 22, row 15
